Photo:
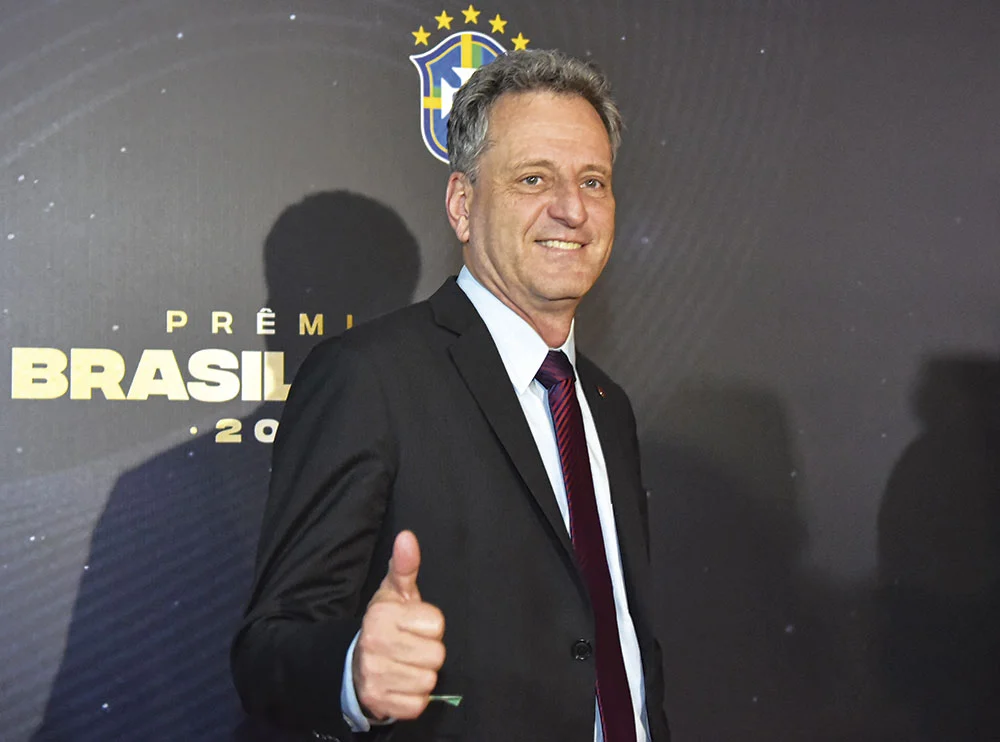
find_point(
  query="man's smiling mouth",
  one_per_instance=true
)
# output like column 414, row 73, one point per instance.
column 561, row 244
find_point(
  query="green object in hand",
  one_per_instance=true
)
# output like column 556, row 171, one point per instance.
column 451, row 700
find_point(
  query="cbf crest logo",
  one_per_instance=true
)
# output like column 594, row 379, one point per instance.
column 449, row 65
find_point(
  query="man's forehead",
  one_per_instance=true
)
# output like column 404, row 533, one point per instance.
column 516, row 101
column 512, row 110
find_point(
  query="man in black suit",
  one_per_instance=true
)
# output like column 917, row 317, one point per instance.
column 461, row 444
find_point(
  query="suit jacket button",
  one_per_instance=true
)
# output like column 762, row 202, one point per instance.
column 581, row 650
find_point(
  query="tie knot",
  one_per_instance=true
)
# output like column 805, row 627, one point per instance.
column 555, row 368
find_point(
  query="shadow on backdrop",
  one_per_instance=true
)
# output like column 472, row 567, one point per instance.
column 939, row 555
column 171, row 558
column 753, row 642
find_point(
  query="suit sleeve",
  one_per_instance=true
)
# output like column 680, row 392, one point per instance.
column 332, row 471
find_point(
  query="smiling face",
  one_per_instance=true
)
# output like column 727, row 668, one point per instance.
column 538, row 223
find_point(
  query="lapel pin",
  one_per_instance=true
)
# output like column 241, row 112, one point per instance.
column 600, row 390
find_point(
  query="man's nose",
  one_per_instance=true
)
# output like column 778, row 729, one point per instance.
column 567, row 205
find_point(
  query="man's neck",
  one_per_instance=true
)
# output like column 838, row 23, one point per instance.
column 552, row 324
column 553, row 330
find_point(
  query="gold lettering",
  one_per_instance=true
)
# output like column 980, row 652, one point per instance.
column 157, row 374
column 265, row 321
column 176, row 318
column 37, row 373
column 229, row 430
column 265, row 430
column 96, row 368
column 222, row 321
column 251, row 375
column 215, row 384
column 310, row 328
column 275, row 388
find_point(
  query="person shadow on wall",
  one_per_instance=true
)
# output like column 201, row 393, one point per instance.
column 744, row 645
column 171, row 558
column 939, row 555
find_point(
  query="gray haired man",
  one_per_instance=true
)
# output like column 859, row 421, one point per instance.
column 458, row 464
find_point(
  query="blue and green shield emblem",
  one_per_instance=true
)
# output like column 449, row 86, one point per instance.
column 443, row 70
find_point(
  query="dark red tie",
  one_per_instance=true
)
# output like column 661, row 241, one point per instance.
column 613, row 698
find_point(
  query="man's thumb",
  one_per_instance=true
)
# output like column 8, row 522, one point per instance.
column 404, row 565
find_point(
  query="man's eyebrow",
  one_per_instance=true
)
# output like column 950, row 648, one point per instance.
column 523, row 164
column 602, row 170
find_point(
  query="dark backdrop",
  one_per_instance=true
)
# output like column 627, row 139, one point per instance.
column 802, row 303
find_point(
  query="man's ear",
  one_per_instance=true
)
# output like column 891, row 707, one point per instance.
column 457, row 200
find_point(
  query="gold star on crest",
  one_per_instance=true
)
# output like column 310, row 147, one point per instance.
column 498, row 24
column 421, row 36
column 471, row 14
column 520, row 43
column 444, row 20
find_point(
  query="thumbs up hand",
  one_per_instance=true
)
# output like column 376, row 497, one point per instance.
column 400, row 648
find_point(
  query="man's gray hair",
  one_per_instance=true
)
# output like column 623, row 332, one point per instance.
column 522, row 72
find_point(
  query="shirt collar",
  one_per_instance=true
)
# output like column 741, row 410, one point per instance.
column 522, row 350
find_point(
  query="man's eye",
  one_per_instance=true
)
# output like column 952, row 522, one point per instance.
column 531, row 180
column 592, row 183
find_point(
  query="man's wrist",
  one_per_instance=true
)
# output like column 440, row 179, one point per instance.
column 358, row 718
column 354, row 715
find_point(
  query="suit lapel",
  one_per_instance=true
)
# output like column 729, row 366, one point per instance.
column 478, row 362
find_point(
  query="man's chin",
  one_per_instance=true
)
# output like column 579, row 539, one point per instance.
column 568, row 296
column 572, row 288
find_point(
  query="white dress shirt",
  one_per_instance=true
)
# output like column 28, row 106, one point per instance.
column 522, row 351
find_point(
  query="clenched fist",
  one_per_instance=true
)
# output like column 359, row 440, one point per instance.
column 400, row 648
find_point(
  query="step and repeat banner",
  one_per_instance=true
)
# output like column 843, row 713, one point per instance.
column 803, row 302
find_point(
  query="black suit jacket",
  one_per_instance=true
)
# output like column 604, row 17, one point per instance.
column 410, row 422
